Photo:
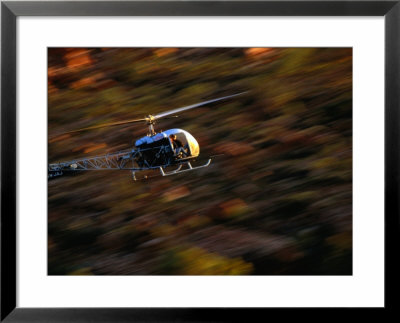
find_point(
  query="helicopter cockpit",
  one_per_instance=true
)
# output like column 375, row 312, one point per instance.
column 188, row 142
column 159, row 148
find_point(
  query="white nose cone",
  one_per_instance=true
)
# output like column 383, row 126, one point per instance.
column 193, row 145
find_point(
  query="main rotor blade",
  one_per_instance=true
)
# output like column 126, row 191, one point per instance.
column 196, row 105
column 110, row 124
column 158, row 116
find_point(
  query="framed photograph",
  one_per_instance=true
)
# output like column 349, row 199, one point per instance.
column 181, row 160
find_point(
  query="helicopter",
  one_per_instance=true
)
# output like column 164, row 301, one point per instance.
column 158, row 151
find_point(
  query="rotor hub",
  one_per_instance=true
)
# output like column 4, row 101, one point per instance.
column 150, row 119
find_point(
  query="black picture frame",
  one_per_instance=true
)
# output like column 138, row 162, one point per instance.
column 10, row 10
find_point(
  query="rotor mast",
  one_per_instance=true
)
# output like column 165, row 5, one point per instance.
column 150, row 122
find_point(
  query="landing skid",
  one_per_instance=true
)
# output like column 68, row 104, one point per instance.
column 179, row 170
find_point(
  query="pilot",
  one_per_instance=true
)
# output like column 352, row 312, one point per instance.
column 177, row 145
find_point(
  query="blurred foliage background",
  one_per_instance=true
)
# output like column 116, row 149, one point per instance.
column 277, row 202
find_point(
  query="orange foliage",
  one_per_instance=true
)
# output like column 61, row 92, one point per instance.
column 83, row 82
column 176, row 193
column 94, row 148
column 256, row 51
column 233, row 207
column 77, row 58
column 165, row 51
column 58, row 138
column 295, row 137
column 53, row 71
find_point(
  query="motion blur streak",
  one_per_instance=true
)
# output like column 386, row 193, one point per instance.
column 276, row 201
